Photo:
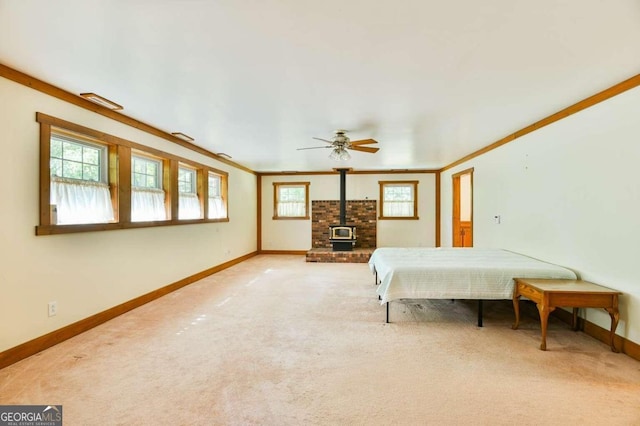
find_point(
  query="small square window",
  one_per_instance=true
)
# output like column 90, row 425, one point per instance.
column 79, row 192
column 291, row 200
column 76, row 159
column 398, row 199
column 146, row 172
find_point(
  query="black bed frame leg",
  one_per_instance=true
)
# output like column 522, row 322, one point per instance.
column 387, row 312
column 479, row 312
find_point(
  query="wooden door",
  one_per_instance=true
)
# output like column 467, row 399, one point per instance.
column 463, row 209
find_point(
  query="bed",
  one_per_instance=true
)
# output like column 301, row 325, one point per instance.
column 454, row 273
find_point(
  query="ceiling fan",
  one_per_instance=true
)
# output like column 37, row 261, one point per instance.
column 340, row 143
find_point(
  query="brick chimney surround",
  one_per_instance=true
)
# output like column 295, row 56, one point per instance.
column 361, row 213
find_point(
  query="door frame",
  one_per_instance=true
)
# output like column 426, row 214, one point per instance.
column 455, row 236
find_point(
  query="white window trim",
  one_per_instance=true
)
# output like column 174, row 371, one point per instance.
column 76, row 201
column 104, row 157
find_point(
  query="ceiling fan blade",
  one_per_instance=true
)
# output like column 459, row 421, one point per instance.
column 314, row 147
column 323, row 140
column 365, row 149
column 364, row 142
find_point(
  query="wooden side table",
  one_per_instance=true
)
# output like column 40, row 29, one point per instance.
column 549, row 294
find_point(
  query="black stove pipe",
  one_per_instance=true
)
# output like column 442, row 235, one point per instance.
column 343, row 196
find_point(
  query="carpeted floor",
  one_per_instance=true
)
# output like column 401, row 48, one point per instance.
column 278, row 341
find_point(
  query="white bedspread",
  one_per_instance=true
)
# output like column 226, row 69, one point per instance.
column 455, row 273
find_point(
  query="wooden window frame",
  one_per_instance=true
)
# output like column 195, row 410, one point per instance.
column 224, row 191
column 194, row 170
column 164, row 178
column 119, row 179
column 276, row 189
column 383, row 183
column 199, row 187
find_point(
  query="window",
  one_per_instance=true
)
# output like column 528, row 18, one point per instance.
column 189, row 204
column 398, row 199
column 291, row 200
column 147, row 195
column 79, row 189
column 92, row 181
column 217, row 203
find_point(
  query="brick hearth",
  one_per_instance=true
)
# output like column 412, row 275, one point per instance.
column 326, row 255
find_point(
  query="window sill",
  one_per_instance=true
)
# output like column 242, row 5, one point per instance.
column 291, row 217
column 94, row 227
column 398, row 218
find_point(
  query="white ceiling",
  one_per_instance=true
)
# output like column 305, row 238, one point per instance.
column 430, row 80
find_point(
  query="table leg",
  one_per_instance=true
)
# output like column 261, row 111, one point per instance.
column 615, row 317
column 516, row 309
column 544, row 320
column 574, row 323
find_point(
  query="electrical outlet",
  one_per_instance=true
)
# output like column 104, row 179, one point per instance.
column 53, row 309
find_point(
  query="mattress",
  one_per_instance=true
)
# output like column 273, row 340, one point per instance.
column 455, row 273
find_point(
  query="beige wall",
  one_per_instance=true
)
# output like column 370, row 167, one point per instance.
column 87, row 273
column 567, row 194
column 296, row 234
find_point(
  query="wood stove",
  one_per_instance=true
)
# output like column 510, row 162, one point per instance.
column 342, row 236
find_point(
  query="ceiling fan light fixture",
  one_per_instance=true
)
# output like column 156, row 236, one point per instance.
column 340, row 145
column 339, row 154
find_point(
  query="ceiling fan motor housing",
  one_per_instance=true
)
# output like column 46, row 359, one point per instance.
column 340, row 143
column 340, row 139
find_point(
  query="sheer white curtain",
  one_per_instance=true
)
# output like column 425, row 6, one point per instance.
column 216, row 208
column 80, row 201
column 291, row 208
column 398, row 208
column 398, row 200
column 189, row 206
column 147, row 204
